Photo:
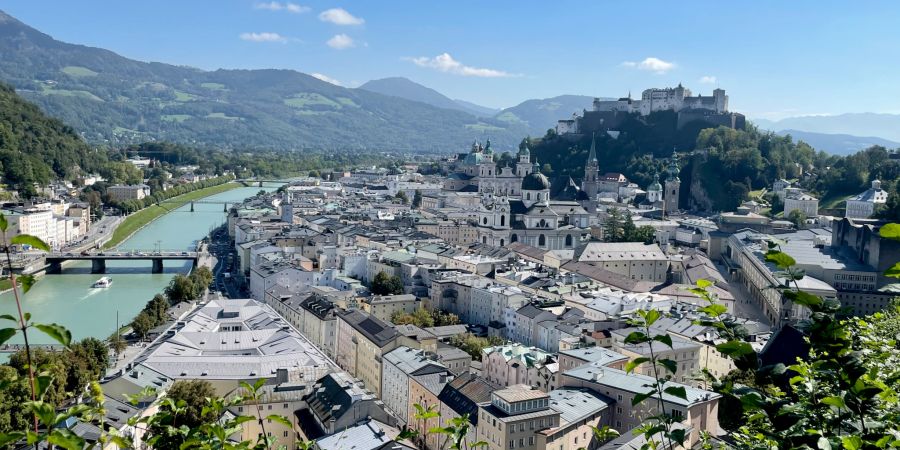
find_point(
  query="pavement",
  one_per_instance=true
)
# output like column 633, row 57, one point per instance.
column 745, row 306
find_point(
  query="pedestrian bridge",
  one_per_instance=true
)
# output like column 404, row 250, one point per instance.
column 98, row 260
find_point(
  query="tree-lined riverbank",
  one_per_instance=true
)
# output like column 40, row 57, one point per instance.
column 140, row 219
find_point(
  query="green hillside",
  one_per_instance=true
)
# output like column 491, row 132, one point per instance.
column 35, row 148
column 114, row 100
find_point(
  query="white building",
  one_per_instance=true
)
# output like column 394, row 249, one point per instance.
column 803, row 202
column 635, row 260
column 862, row 206
column 121, row 192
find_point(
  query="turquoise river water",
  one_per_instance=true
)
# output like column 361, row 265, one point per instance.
column 69, row 300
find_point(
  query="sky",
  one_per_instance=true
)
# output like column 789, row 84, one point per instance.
column 774, row 58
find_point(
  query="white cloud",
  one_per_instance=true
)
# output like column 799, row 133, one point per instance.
column 445, row 63
column 339, row 16
column 276, row 6
column 263, row 37
column 341, row 42
column 708, row 79
column 326, row 78
column 651, row 64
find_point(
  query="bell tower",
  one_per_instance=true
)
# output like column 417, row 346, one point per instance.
column 673, row 185
column 591, row 182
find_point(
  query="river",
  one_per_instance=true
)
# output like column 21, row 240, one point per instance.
column 69, row 300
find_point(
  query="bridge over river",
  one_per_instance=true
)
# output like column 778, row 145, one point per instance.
column 98, row 260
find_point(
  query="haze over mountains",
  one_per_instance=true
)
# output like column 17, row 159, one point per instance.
column 841, row 133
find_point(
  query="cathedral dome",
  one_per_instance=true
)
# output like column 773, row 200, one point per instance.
column 535, row 181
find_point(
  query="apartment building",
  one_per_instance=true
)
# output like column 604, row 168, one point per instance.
column 361, row 342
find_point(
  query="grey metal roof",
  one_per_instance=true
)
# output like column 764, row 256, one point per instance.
column 636, row 383
column 575, row 404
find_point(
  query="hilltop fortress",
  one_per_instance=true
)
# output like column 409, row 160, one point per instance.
column 607, row 115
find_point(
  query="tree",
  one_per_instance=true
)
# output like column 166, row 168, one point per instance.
column 417, row 199
column 194, row 394
column 181, row 288
column 421, row 318
column 401, row 197
column 118, row 344
column 473, row 345
column 142, row 324
column 643, row 233
column 188, row 408
column 776, row 205
column 385, row 284
column 613, row 226
column 797, row 217
column 202, row 277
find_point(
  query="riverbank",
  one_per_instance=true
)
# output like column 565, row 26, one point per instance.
column 135, row 222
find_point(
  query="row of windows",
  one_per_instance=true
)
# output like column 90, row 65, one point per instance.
column 512, row 443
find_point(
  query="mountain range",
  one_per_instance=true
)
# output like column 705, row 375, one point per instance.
column 410, row 90
column 114, row 100
column 841, row 133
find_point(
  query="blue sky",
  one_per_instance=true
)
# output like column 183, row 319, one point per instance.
column 774, row 58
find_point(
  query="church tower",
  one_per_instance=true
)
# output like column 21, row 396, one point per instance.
column 591, row 182
column 673, row 185
column 523, row 166
column 654, row 191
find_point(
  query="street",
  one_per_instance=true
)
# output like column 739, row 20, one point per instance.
column 220, row 247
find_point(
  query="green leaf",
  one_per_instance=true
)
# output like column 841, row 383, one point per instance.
column 735, row 348
column 650, row 317
column 852, row 442
column 803, row 298
column 630, row 365
column 41, row 384
column 893, row 271
column 27, row 281
column 58, row 332
column 664, row 338
column 704, row 283
column 44, row 411
column 6, row 334
column 714, row 310
column 636, row 337
column 3, row 223
column 678, row 436
column 34, row 242
column 9, row 317
column 669, row 364
column 834, row 401
column 676, row 391
column 780, row 259
column 13, row 436
column 890, row 231
column 66, row 439
column 280, row 419
column 638, row 398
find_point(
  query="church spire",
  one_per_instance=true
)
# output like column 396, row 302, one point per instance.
column 592, row 156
